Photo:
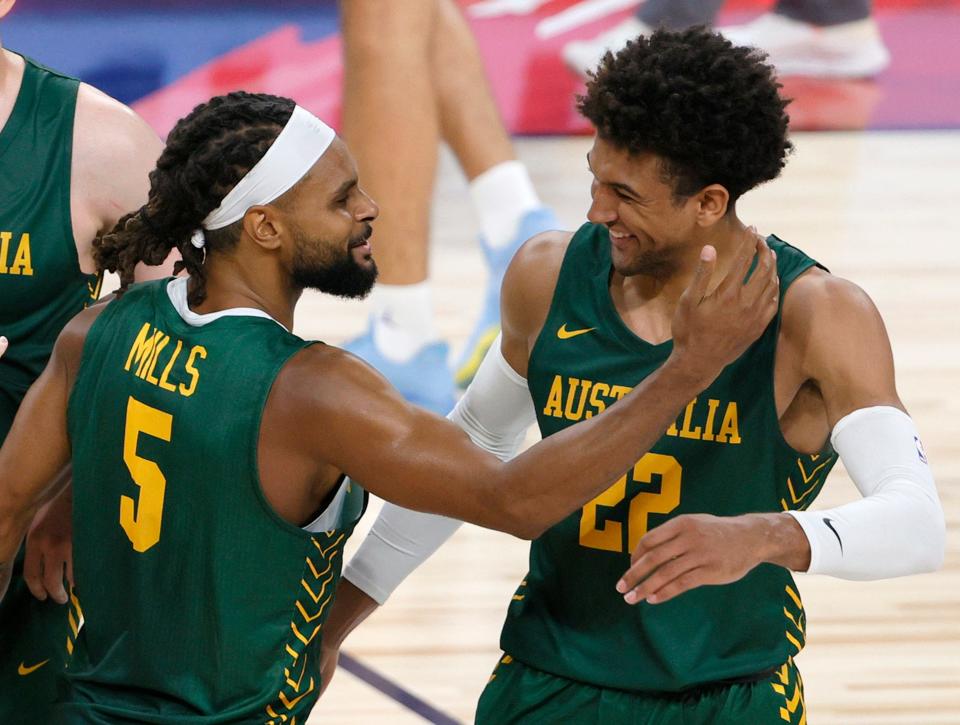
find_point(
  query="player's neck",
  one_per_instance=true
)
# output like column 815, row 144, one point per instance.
column 647, row 304
column 233, row 282
column 726, row 236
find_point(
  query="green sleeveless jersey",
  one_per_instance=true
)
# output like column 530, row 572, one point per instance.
column 41, row 285
column 724, row 455
column 200, row 604
column 41, row 288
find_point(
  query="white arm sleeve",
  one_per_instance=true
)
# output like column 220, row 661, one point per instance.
column 495, row 411
column 898, row 527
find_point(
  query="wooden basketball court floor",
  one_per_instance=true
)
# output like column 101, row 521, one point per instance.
column 877, row 208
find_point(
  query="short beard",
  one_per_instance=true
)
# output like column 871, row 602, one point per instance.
column 339, row 274
column 658, row 265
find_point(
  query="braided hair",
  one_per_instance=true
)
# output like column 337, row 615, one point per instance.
column 207, row 153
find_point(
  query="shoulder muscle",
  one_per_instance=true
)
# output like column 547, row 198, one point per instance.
column 114, row 151
column 840, row 343
column 527, row 292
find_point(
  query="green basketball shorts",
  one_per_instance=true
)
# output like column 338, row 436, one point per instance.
column 518, row 693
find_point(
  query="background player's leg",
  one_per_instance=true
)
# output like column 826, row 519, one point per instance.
column 469, row 119
column 502, row 193
column 390, row 118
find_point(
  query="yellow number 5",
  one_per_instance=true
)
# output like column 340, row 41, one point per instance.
column 609, row 536
column 143, row 527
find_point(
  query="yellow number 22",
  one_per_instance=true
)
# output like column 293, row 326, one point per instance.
column 143, row 527
column 609, row 535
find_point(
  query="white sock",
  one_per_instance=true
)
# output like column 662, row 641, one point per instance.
column 402, row 319
column 502, row 195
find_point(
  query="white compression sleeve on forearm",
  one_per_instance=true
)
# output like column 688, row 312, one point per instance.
column 495, row 411
column 897, row 528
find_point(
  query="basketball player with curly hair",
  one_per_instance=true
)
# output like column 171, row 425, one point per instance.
column 708, row 526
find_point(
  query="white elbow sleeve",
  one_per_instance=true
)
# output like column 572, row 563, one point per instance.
column 399, row 542
column 898, row 527
column 495, row 411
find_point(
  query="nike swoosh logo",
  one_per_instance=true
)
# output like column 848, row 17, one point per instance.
column 564, row 334
column 23, row 670
column 829, row 524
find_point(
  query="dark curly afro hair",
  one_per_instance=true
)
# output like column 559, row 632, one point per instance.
column 709, row 109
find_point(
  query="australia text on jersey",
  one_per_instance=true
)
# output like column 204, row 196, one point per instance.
column 144, row 361
column 20, row 252
column 576, row 399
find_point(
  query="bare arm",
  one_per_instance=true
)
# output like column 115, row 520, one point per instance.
column 37, row 448
column 835, row 339
column 525, row 298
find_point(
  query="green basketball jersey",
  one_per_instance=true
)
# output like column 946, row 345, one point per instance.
column 41, row 285
column 201, row 605
column 41, row 288
column 724, row 455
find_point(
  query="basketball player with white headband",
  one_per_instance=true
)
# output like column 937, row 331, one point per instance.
column 210, row 444
column 657, row 601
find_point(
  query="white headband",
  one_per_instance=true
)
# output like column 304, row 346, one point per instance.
column 302, row 141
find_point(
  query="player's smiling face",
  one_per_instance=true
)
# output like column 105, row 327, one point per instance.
column 649, row 226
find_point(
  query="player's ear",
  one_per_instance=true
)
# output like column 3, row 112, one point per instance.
column 263, row 225
column 6, row 6
column 712, row 202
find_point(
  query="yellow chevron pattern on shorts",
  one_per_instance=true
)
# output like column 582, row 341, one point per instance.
column 787, row 683
column 317, row 586
column 795, row 626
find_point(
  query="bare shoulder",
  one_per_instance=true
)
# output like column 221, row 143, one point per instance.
column 104, row 121
column 114, row 151
column 538, row 260
column 530, row 281
column 326, row 378
column 831, row 304
column 835, row 337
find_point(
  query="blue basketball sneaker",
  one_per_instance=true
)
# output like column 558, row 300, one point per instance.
column 424, row 380
column 488, row 326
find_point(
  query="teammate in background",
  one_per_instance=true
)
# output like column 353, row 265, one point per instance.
column 197, row 509
column 704, row 628
column 418, row 66
column 72, row 161
column 827, row 38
